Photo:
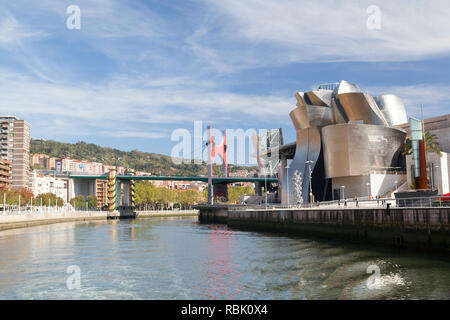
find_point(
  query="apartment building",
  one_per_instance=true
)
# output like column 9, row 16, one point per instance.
column 15, row 148
column 101, row 192
column 42, row 160
column 78, row 166
column 49, row 184
column 238, row 173
column 5, row 173
column 180, row 185
column 142, row 173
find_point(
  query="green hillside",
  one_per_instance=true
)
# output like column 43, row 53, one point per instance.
column 141, row 161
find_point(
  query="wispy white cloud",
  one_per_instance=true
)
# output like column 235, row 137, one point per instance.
column 99, row 18
column 13, row 33
column 433, row 97
column 279, row 32
column 116, row 30
column 141, row 101
column 118, row 20
column 165, row 102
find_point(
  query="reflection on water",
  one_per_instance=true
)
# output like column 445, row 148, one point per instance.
column 220, row 276
column 177, row 258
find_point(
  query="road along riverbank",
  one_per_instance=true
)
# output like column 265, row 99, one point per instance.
column 23, row 220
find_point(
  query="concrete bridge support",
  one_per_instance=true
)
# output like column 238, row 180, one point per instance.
column 125, row 194
column 81, row 187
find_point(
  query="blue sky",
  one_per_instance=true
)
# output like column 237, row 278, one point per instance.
column 137, row 70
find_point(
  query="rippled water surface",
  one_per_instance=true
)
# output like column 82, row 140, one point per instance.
column 177, row 258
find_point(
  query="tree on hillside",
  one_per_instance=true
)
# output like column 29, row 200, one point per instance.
column 140, row 161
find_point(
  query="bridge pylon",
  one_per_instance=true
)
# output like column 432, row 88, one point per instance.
column 132, row 190
column 112, row 190
column 214, row 150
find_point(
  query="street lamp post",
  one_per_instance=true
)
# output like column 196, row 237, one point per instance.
column 309, row 162
column 368, row 190
column 265, row 180
column 287, row 182
column 438, row 180
column 265, row 186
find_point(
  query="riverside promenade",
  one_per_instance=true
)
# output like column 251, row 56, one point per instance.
column 28, row 219
column 418, row 228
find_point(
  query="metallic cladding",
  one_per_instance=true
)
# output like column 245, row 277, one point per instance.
column 353, row 130
column 357, row 108
column 307, row 148
column 311, row 116
column 392, row 108
column 355, row 149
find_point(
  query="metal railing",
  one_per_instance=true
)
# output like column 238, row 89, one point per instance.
column 363, row 203
column 328, row 86
column 36, row 210
column 28, row 210
column 21, row 210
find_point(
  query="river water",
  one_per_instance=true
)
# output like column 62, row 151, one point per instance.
column 178, row 258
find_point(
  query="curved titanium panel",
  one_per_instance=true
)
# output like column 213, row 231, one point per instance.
column 319, row 97
column 307, row 148
column 324, row 95
column 311, row 116
column 346, row 87
column 300, row 96
column 355, row 149
column 338, row 113
column 392, row 108
column 373, row 104
column 299, row 118
column 357, row 107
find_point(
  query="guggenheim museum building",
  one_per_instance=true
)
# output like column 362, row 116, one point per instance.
column 349, row 141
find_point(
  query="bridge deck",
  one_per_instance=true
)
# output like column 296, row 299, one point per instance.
column 216, row 180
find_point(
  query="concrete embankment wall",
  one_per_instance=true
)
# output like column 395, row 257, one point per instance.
column 35, row 219
column 166, row 213
column 213, row 214
column 426, row 228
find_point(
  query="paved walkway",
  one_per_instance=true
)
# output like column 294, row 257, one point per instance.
column 12, row 220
